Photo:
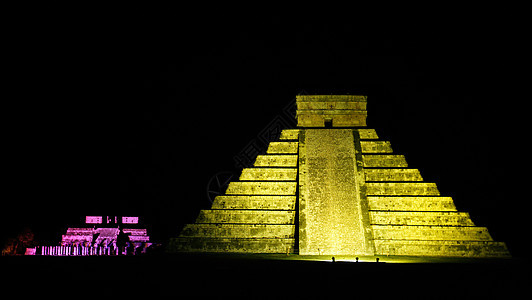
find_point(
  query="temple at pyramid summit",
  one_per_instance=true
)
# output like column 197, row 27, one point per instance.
column 332, row 187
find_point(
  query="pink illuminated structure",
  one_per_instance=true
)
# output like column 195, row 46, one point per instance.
column 110, row 235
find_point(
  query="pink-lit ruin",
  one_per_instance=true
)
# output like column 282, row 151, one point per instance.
column 109, row 235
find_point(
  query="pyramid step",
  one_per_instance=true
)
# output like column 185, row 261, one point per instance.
column 261, row 188
column 246, row 216
column 367, row 134
column 402, row 188
column 392, row 175
column 376, row 147
column 289, row 134
column 420, row 218
column 384, row 161
column 282, row 148
column 254, row 202
column 468, row 233
column 238, row 230
column 423, row 203
column 441, row 248
column 269, row 174
column 276, row 160
column 231, row 245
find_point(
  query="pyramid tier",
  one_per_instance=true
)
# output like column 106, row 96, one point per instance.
column 402, row 188
column 239, row 230
column 276, row 160
column 282, row 148
column 367, row 134
column 289, row 134
column 420, row 218
column 232, row 245
column 255, row 202
column 269, row 174
column 441, row 248
column 246, row 216
column 466, row 233
column 384, row 161
column 392, row 175
column 261, row 188
column 416, row 203
column 376, row 147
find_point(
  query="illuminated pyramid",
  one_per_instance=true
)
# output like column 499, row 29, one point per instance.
column 331, row 187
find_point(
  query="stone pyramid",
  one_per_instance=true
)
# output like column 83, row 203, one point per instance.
column 331, row 187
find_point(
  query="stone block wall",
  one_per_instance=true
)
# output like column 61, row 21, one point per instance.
column 340, row 110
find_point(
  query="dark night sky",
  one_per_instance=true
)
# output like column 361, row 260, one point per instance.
column 133, row 115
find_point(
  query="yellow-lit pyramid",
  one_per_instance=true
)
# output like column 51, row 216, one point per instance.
column 331, row 187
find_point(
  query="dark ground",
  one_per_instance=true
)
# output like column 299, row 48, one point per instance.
column 192, row 276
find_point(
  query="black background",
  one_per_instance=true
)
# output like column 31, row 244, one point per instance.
column 131, row 113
